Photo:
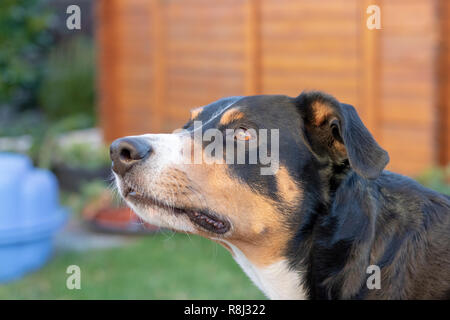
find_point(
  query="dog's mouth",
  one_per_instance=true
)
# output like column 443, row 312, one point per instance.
column 205, row 219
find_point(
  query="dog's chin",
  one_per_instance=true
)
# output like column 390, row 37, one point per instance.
column 172, row 216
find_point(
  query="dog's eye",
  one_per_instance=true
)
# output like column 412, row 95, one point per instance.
column 242, row 134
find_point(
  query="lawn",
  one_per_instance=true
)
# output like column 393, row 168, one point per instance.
column 162, row 266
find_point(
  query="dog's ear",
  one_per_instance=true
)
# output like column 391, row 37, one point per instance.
column 334, row 130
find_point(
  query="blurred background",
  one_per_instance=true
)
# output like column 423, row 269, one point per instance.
column 138, row 66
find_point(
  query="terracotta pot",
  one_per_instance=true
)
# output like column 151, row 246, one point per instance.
column 102, row 215
column 120, row 220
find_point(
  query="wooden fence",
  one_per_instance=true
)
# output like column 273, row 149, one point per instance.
column 160, row 58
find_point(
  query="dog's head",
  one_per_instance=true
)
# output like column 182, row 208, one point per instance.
column 239, row 169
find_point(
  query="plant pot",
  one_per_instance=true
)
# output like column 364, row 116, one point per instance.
column 120, row 220
column 101, row 214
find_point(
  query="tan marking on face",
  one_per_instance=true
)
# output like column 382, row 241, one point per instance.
column 322, row 112
column 288, row 188
column 195, row 112
column 258, row 227
column 231, row 115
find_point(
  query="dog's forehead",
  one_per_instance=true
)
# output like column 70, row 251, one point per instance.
column 261, row 107
column 214, row 109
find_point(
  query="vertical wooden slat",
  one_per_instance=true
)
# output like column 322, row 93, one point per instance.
column 134, row 65
column 369, row 91
column 444, row 83
column 252, row 47
column 205, row 55
column 159, row 64
column 109, row 117
column 408, row 87
column 311, row 45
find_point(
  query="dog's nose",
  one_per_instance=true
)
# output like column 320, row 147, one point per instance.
column 125, row 152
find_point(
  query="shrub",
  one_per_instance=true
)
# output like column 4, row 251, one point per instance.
column 437, row 179
column 68, row 87
column 24, row 39
column 83, row 155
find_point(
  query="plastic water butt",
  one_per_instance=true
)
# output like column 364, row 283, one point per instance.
column 30, row 215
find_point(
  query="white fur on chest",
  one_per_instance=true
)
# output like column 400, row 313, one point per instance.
column 276, row 281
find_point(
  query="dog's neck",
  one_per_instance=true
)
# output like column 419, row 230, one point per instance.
column 285, row 279
column 293, row 276
column 276, row 281
column 325, row 237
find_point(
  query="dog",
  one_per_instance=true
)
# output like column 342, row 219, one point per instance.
column 313, row 229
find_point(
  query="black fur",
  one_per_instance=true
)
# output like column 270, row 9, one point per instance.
column 382, row 218
column 353, row 214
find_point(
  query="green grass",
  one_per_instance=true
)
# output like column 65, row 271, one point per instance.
column 162, row 266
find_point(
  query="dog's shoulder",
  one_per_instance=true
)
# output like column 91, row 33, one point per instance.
column 405, row 195
column 392, row 222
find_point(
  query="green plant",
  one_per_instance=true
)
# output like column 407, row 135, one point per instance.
column 20, row 123
column 45, row 138
column 24, row 39
column 90, row 191
column 437, row 179
column 68, row 87
column 83, row 155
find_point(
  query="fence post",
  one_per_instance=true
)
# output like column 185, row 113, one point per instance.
column 370, row 75
column 252, row 47
column 106, row 71
column 444, row 83
column 159, row 64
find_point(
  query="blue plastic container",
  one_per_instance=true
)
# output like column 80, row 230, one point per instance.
column 29, row 216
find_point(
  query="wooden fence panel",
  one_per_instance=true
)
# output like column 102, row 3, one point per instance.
column 160, row 58
column 407, row 84
column 204, row 53
column 125, row 67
